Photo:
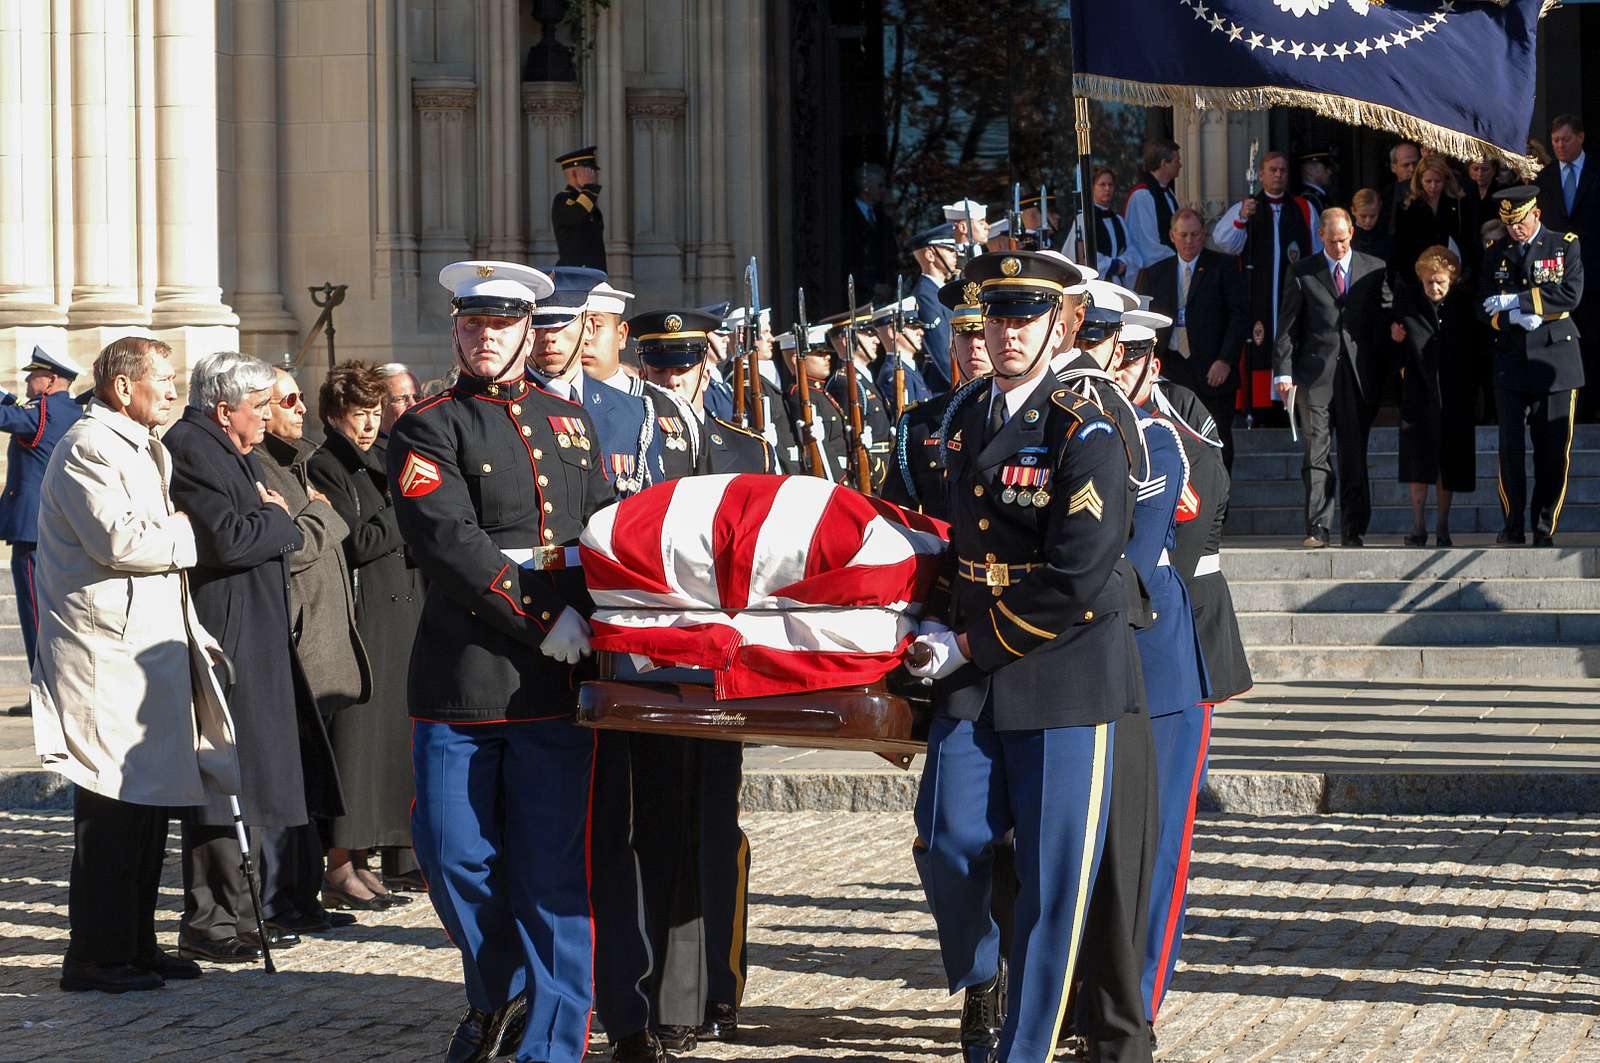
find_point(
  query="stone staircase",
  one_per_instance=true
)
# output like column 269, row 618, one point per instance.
column 1268, row 498
column 1471, row 612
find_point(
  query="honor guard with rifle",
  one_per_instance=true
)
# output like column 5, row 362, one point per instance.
column 1047, row 224
column 1040, row 506
column 710, row 868
column 493, row 481
column 817, row 421
column 917, row 478
column 969, row 227
column 900, row 331
column 853, row 345
column 755, row 397
column 1113, row 258
column 934, row 251
column 1532, row 280
column 575, row 215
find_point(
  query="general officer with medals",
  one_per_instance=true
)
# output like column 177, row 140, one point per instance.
column 1041, row 507
column 917, row 478
column 1531, row 282
column 491, row 502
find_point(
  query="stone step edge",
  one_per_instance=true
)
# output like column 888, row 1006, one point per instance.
column 1231, row 791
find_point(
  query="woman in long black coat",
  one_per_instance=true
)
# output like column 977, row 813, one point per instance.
column 241, row 594
column 373, row 739
column 1437, row 390
column 1432, row 216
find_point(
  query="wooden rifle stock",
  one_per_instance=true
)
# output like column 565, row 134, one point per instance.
column 740, row 416
column 860, row 460
column 758, row 411
column 815, row 461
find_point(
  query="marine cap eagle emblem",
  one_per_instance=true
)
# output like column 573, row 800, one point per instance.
column 485, row 271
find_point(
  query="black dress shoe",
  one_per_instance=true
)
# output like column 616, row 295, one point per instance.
column 227, row 950
column 675, row 1038
column 168, row 966
column 300, row 923
column 506, row 1027
column 1417, row 539
column 392, row 900
column 1541, row 539
column 1352, row 540
column 107, row 978
column 410, row 882
column 721, row 1023
column 982, row 1015
column 1443, row 539
column 1507, row 537
column 278, row 939
column 641, row 1047
column 1152, row 1038
column 467, row 1042
column 24, row 709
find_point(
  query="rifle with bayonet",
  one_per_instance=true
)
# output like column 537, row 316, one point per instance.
column 1017, row 230
column 860, row 459
column 752, row 323
column 897, row 320
column 1043, row 232
column 811, row 454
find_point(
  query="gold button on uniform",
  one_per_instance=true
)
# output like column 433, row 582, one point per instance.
column 516, row 409
column 548, row 508
column 544, row 481
column 983, row 523
column 487, row 467
column 506, row 584
column 537, row 454
column 977, row 489
column 549, row 534
column 1088, row 614
column 988, row 557
column 584, row 462
column 544, row 616
column 527, row 431
column 527, row 599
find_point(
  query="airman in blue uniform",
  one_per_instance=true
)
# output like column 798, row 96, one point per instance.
column 901, row 332
column 1041, row 505
column 493, row 481
column 34, row 425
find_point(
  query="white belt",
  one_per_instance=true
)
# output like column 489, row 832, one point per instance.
column 1163, row 559
column 1208, row 564
column 546, row 557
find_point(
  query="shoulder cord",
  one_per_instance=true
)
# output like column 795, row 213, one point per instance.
column 1203, row 434
column 1083, row 376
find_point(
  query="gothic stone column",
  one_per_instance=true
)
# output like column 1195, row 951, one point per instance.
column 550, row 111
column 442, row 106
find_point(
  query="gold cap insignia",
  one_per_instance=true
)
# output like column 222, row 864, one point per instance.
column 1011, row 267
column 673, row 323
column 969, row 292
column 485, row 271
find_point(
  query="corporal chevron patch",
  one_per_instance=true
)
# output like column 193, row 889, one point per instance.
column 1086, row 499
column 419, row 476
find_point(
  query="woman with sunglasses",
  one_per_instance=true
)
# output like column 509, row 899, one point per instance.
column 372, row 740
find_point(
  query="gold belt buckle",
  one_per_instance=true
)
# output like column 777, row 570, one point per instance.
column 997, row 574
column 548, row 557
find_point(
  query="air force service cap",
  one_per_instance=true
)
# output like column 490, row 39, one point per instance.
column 672, row 339
column 45, row 362
column 497, row 289
column 935, row 236
column 1021, row 284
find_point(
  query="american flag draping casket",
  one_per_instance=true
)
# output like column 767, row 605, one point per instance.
column 776, row 584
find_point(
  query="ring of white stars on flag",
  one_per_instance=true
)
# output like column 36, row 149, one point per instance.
column 1320, row 50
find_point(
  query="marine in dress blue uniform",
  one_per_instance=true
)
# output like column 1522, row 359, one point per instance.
column 1041, row 506
column 34, row 426
column 1174, row 670
column 1531, row 282
column 629, row 454
column 493, row 481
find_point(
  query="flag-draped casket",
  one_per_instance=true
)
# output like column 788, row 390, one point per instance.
column 776, row 584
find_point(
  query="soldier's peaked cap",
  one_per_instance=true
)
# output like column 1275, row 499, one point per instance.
column 45, row 362
column 672, row 339
column 1021, row 284
column 1515, row 203
column 580, row 157
column 502, row 289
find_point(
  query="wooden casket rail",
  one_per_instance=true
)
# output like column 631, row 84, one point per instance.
column 871, row 720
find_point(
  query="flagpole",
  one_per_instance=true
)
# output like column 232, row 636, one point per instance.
column 1088, row 228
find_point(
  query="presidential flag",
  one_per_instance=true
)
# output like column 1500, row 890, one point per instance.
column 776, row 584
column 1456, row 75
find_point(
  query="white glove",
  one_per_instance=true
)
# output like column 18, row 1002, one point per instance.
column 815, row 432
column 945, row 655
column 1499, row 302
column 930, row 627
column 568, row 639
column 1527, row 321
column 770, row 434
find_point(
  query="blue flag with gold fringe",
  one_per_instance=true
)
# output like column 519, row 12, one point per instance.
column 1457, row 75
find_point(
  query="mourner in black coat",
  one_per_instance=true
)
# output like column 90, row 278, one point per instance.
column 241, row 595
column 1439, row 384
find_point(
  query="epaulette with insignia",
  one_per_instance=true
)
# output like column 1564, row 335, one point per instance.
column 1072, row 403
column 1569, row 237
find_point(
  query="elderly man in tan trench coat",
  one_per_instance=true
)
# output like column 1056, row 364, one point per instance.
column 124, row 702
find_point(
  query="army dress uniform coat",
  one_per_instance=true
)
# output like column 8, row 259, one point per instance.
column 917, row 478
column 1547, row 275
column 1038, row 589
column 479, row 470
column 580, row 227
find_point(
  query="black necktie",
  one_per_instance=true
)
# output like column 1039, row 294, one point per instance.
column 997, row 416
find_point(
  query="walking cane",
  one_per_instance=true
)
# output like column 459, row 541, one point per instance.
column 244, row 837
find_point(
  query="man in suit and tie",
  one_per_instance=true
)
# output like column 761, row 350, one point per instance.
column 1403, row 160
column 1569, row 201
column 1332, row 319
column 1203, row 291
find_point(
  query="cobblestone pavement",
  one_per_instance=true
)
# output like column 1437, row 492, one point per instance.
column 1316, row 938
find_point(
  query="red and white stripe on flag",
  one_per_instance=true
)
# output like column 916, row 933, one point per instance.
column 778, row 584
